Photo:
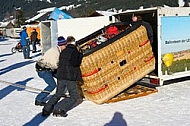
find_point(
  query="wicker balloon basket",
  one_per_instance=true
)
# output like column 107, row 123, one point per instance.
column 117, row 65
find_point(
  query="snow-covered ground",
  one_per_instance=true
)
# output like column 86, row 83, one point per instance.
column 170, row 106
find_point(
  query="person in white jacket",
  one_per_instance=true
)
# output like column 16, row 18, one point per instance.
column 46, row 67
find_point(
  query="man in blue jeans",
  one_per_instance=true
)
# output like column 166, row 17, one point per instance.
column 46, row 68
column 25, row 43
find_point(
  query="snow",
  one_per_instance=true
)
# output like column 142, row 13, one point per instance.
column 106, row 13
column 42, row 12
column 168, row 107
column 36, row 17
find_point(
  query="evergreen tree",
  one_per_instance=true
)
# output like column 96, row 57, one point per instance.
column 30, row 7
column 19, row 18
column 186, row 3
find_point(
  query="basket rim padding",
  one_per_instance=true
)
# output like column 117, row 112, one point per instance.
column 109, row 41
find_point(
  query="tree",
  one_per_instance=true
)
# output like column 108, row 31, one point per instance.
column 19, row 18
column 186, row 3
column 7, row 16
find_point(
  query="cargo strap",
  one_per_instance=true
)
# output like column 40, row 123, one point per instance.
column 23, row 86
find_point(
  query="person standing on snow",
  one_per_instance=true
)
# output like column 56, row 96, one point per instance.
column 68, row 73
column 25, row 43
column 46, row 68
column 34, row 38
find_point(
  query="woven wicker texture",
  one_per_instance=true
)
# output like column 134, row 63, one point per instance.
column 113, row 68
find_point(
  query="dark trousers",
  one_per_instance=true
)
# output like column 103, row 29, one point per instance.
column 34, row 46
column 66, row 103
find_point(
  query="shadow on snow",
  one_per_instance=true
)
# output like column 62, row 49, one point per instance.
column 36, row 120
column 117, row 120
column 15, row 66
column 7, row 90
column 8, row 54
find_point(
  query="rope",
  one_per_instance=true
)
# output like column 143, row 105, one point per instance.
column 23, row 86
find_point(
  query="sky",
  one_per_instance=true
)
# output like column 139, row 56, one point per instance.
column 175, row 30
column 168, row 107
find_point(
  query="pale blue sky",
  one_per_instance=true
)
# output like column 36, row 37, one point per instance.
column 175, row 29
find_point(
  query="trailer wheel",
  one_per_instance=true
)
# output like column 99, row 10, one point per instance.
column 13, row 50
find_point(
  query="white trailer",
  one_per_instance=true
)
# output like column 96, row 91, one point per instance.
column 77, row 27
column 13, row 32
column 171, row 45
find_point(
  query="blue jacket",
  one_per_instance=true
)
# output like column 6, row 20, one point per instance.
column 24, row 38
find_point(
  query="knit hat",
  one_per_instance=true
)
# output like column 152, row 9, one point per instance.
column 61, row 41
column 24, row 27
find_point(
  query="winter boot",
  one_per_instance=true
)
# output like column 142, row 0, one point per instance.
column 39, row 103
column 47, row 112
column 60, row 113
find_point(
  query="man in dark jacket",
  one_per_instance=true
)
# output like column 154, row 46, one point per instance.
column 68, row 73
column 34, row 39
column 138, row 18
